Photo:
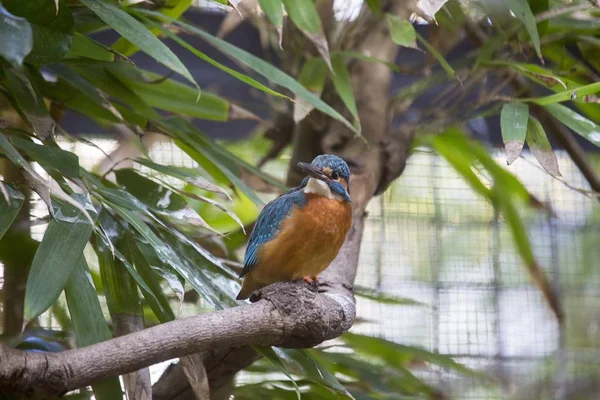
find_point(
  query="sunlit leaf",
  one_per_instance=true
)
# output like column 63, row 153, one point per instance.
column 513, row 123
column 431, row 7
column 132, row 30
column 540, row 146
column 88, row 322
column 56, row 257
column 583, row 126
column 17, row 37
column 11, row 202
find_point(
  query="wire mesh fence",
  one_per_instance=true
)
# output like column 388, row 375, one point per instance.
column 430, row 238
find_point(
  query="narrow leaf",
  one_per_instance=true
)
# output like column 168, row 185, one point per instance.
column 88, row 322
column 270, row 354
column 305, row 16
column 11, row 202
column 437, row 55
column 540, row 147
column 273, row 9
column 385, row 298
column 513, row 123
column 84, row 47
column 578, row 123
column 312, row 76
column 578, row 93
column 523, row 12
column 132, row 30
column 260, row 66
column 62, row 161
column 56, row 257
column 30, row 101
column 343, row 85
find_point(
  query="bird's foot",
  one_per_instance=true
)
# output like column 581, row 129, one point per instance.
column 312, row 281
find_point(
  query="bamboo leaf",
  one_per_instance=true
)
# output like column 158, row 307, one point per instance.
column 540, row 147
column 273, row 9
column 578, row 93
column 11, row 202
column 270, row 354
column 84, row 47
column 385, row 298
column 62, row 161
column 431, row 7
column 523, row 12
column 88, row 322
column 513, row 123
column 578, row 123
column 305, row 16
column 437, row 55
column 260, row 66
column 30, row 101
column 134, row 31
column 312, row 76
column 188, row 175
column 57, row 256
column 343, row 85
column 242, row 77
column 17, row 37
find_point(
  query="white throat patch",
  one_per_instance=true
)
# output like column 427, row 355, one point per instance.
column 319, row 187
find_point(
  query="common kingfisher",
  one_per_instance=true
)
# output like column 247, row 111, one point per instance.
column 298, row 234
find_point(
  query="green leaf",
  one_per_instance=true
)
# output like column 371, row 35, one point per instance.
column 513, row 123
column 301, row 362
column 260, row 66
column 62, row 161
column 11, row 201
column 578, row 93
column 312, row 76
column 343, row 85
column 273, row 9
column 578, row 123
column 52, row 30
column 522, row 11
column 134, row 31
column 402, row 31
column 540, row 146
column 85, row 47
column 305, row 16
column 437, row 55
column 385, row 298
column 88, row 322
column 242, row 77
column 56, row 257
column 17, row 37
column 399, row 355
column 374, row 5
column 173, row 9
column 30, row 101
column 531, row 71
column 364, row 57
column 188, row 175
column 270, row 354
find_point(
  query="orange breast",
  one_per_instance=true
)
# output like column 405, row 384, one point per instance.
column 309, row 239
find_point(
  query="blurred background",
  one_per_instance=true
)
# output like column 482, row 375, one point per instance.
column 438, row 268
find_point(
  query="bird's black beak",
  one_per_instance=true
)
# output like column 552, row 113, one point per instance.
column 313, row 171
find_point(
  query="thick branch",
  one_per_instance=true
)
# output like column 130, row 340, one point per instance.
column 290, row 315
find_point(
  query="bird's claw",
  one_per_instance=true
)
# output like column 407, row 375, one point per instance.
column 312, row 281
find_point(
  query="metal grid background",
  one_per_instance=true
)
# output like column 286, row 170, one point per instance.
column 430, row 238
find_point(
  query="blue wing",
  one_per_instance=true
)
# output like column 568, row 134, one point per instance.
column 268, row 224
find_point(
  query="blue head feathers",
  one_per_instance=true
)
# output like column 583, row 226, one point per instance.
column 331, row 170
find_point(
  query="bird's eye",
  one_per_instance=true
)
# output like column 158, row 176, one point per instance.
column 335, row 176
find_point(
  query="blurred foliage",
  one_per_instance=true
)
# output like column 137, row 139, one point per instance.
column 156, row 235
